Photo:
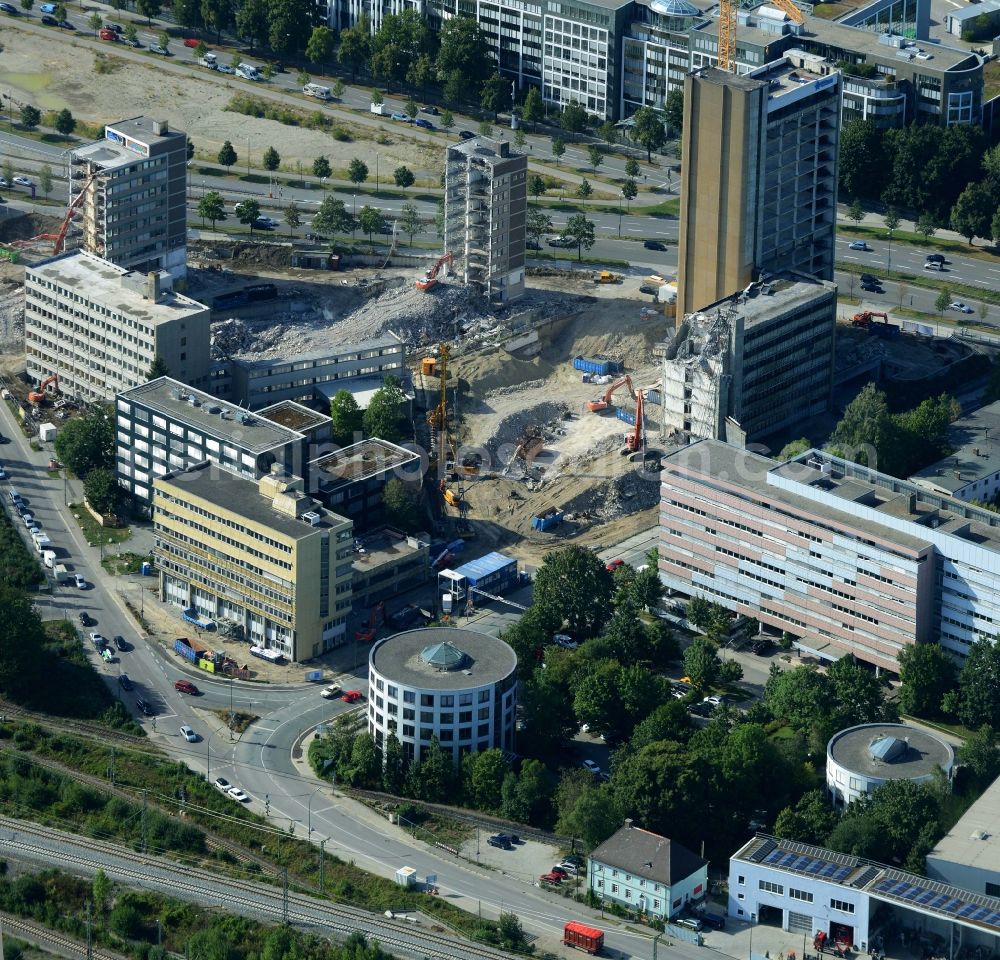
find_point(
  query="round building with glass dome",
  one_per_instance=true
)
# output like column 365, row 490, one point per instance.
column 457, row 685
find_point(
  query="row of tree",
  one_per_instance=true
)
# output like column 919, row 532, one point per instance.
column 86, row 446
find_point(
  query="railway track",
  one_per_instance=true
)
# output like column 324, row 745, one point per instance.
column 59, row 943
column 245, row 897
column 94, row 731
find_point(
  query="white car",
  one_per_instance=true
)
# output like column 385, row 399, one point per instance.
column 221, row 783
column 23, row 181
column 332, row 691
column 961, row 307
column 237, row 794
column 225, row 68
column 594, row 768
column 156, row 48
column 81, row 583
column 564, row 641
column 188, row 734
column 714, row 699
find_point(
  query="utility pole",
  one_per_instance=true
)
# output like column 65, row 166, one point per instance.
column 113, row 766
column 322, row 863
column 90, row 945
column 145, row 797
column 284, row 895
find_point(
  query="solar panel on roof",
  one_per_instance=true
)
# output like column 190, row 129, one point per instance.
column 939, row 901
column 774, row 856
column 980, row 913
column 911, row 894
column 787, row 859
column 841, row 874
column 968, row 910
column 898, row 889
column 993, row 919
column 801, row 863
column 951, row 906
column 829, row 870
column 926, row 897
column 882, row 886
column 815, row 866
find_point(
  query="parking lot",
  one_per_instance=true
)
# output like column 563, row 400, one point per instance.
column 526, row 861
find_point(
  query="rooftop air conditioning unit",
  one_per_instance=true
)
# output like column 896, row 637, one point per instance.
column 312, row 518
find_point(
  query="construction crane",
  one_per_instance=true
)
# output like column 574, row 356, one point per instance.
column 634, row 440
column 429, row 280
column 596, row 406
column 37, row 396
column 727, row 28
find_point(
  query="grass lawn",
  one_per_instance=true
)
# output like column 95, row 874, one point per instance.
column 955, row 729
column 991, row 80
column 545, row 255
column 94, row 532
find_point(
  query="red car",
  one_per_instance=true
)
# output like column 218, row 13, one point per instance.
column 186, row 686
column 550, row 878
column 615, row 564
column 352, row 696
column 107, row 34
column 191, row 42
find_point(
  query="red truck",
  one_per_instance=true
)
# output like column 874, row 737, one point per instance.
column 588, row 939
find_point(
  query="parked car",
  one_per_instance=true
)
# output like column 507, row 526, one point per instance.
column 689, row 923
column 130, row 42
column 334, row 690
column 191, row 41
column 48, row 8
column 565, row 641
column 500, row 840
column 565, row 866
column 935, row 258
column 49, row 21
column 81, row 583
column 221, row 783
column 106, row 34
column 98, row 641
column 23, row 181
column 124, row 682
column 559, row 872
column 186, row 686
column 400, row 117
column 117, row 27
column 872, row 288
column 550, row 878
column 654, row 245
column 352, row 696
column 67, row 25
column 594, row 768
column 237, row 794
column 858, row 245
column 934, row 265
column 868, row 278
column 266, row 223
column 188, row 734
column 959, row 306
column 466, row 134
column 433, row 111
column 86, row 619
column 9, row 8
column 156, row 48
column 426, row 124
column 561, row 242
column 613, row 565
column 225, row 68
column 144, row 707
column 122, row 644
column 532, row 245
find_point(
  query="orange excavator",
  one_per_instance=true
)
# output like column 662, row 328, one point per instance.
column 366, row 633
column 633, row 440
column 429, row 280
column 58, row 240
column 864, row 319
column 37, row 396
column 596, row 406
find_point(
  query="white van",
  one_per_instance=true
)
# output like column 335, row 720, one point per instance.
column 247, row 72
column 316, row 90
column 210, row 60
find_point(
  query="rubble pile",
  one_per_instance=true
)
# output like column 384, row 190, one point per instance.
column 627, row 493
column 11, row 316
column 514, row 388
column 512, row 429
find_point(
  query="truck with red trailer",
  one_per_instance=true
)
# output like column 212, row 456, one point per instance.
column 588, row 939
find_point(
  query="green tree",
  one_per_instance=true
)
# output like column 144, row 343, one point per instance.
column 647, row 130
column 673, row 110
column 454, row 90
column 100, row 891
column 573, row 118
column 979, row 685
column 858, row 696
column 596, row 701
column 584, row 808
column 794, row 448
column 434, row 777
column 596, row 156
column 410, row 221
column 21, row 640
column 60, row 11
column 126, row 919
column 558, row 148
column 866, row 431
column 26, row 6
column 856, row 212
column 574, row 587
column 536, row 185
column 393, row 766
column 346, row 416
column 608, row 132
column 533, row 109
column 337, row 88
column 357, row 171
column 629, row 192
column 862, row 159
column 527, row 796
column 212, row 206
column 130, row 34
column 333, row 217
column 247, row 211
column 447, row 119
column 810, row 821
column 355, row 45
column 227, row 156
column 701, row 663
column 101, row 490
column 88, row 441
column 290, row 24
column 927, row 673
column 252, row 20
column 464, row 49
column 402, row 506
column 217, row 15
column 30, row 117
column 187, row 13
column 386, row 416
column 292, row 216
column 581, row 230
column 321, row 168
column 148, row 9
column 485, row 128
column 669, row 721
column 512, row 936
column 64, row 122
column 799, row 697
column 403, row 177
column 495, row 94
column 537, row 224
column 271, row 159
column 926, row 226
column 942, row 300
column 201, row 49
column 94, row 21
column 420, row 75
column 163, row 39
column 45, row 179
column 484, row 774
column 371, row 221
column 584, row 191
column 158, row 368
column 320, row 47
column 632, row 168
column 545, row 705
column 974, row 209
column 397, row 44
column 981, row 755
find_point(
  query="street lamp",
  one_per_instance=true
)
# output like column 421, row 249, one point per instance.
column 248, row 156
column 310, row 812
column 376, row 174
column 753, row 917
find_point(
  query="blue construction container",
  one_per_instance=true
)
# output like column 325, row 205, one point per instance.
column 545, row 521
column 493, row 573
column 626, row 415
column 653, row 396
column 600, row 367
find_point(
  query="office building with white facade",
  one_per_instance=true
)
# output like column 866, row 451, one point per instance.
column 485, row 215
column 647, row 873
column 808, row 890
column 99, row 326
column 968, row 855
column 845, row 558
column 863, row 758
column 163, row 426
column 134, row 206
column 456, row 685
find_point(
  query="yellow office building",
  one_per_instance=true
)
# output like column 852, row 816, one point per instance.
column 261, row 555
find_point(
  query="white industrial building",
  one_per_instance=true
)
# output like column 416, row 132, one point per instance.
column 861, row 759
column 807, row 890
column 457, row 685
column 969, row 854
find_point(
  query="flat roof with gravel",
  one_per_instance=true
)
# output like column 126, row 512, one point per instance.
column 486, row 659
column 917, row 752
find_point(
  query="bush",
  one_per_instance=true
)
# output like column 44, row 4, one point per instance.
column 18, row 568
column 341, row 133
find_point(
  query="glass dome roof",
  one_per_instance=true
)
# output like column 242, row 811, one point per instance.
column 444, row 656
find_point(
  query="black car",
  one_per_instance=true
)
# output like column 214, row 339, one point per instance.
column 125, row 682
column 9, row 8
column 935, row 258
column 49, row 21
column 278, row 66
column 122, row 644
column 86, row 619
column 654, row 245
column 144, row 708
column 532, row 245
column 4, row 439
column 500, row 840
column 872, row 288
column 466, row 134
column 66, row 25
column 433, row 111
column 114, row 27
column 868, row 278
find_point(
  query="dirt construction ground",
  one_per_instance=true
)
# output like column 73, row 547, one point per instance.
column 56, row 75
